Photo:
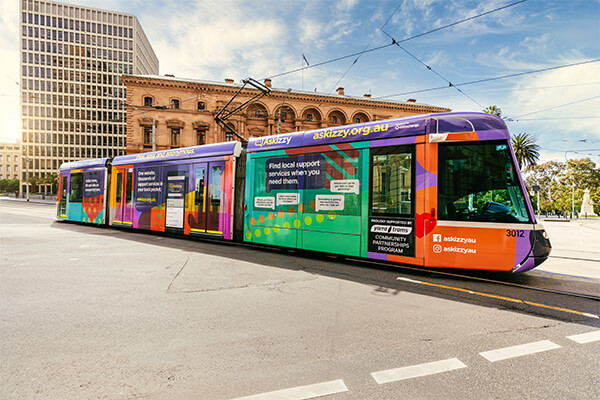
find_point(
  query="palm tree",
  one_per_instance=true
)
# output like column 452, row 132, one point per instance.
column 526, row 150
column 494, row 111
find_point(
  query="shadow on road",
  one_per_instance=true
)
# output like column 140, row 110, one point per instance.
column 382, row 278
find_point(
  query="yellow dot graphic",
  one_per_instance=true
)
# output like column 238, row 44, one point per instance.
column 248, row 235
column 267, row 230
column 320, row 218
column 308, row 220
column 297, row 223
column 257, row 233
column 332, row 215
column 276, row 228
column 286, row 225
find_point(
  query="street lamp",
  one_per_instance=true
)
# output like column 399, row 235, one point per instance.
column 26, row 159
column 572, row 188
column 536, row 189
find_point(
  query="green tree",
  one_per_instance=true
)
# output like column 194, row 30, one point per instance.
column 526, row 150
column 52, row 180
column 546, row 177
column 561, row 181
column 9, row 185
column 34, row 181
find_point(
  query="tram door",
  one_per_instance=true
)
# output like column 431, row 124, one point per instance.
column 176, row 197
column 124, row 197
column 63, row 186
column 393, row 227
column 209, row 199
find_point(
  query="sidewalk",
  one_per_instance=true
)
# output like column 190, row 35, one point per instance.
column 575, row 247
column 47, row 200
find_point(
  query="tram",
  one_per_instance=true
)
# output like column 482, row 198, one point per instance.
column 437, row 190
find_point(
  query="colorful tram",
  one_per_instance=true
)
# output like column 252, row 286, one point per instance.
column 438, row 190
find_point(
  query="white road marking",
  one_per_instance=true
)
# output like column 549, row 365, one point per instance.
column 415, row 371
column 585, row 337
column 302, row 392
column 518, row 351
column 401, row 278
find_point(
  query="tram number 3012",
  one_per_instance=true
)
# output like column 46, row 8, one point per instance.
column 515, row 233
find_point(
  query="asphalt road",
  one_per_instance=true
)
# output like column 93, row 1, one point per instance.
column 98, row 313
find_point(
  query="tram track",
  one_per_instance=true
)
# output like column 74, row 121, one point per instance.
column 450, row 274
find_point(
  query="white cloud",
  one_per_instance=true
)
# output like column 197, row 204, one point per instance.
column 215, row 37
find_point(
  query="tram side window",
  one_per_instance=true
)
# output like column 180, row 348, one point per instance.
column 129, row 188
column 479, row 182
column 391, row 181
column 215, row 188
column 200, row 188
column 76, row 194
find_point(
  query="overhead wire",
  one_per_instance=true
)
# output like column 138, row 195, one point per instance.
column 391, row 44
column 559, row 118
column 433, row 70
column 363, row 51
column 492, row 79
column 521, row 89
column 552, row 108
column 438, row 74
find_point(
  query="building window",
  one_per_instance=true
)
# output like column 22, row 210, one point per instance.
column 201, row 106
column 147, row 136
column 309, row 117
column 228, row 136
column 282, row 116
column 175, row 104
column 257, row 114
column 148, row 101
column 334, row 119
column 201, row 136
column 357, row 120
column 175, row 137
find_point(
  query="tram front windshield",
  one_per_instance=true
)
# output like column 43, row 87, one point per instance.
column 479, row 182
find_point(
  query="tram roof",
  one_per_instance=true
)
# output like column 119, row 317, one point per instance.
column 398, row 127
column 96, row 162
column 184, row 153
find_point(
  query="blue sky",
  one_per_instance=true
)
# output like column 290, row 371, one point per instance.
column 215, row 39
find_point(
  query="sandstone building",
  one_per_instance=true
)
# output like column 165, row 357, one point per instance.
column 183, row 111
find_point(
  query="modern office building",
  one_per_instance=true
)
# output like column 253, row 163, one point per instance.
column 72, row 96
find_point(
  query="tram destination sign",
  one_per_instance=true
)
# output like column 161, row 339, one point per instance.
column 395, row 236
